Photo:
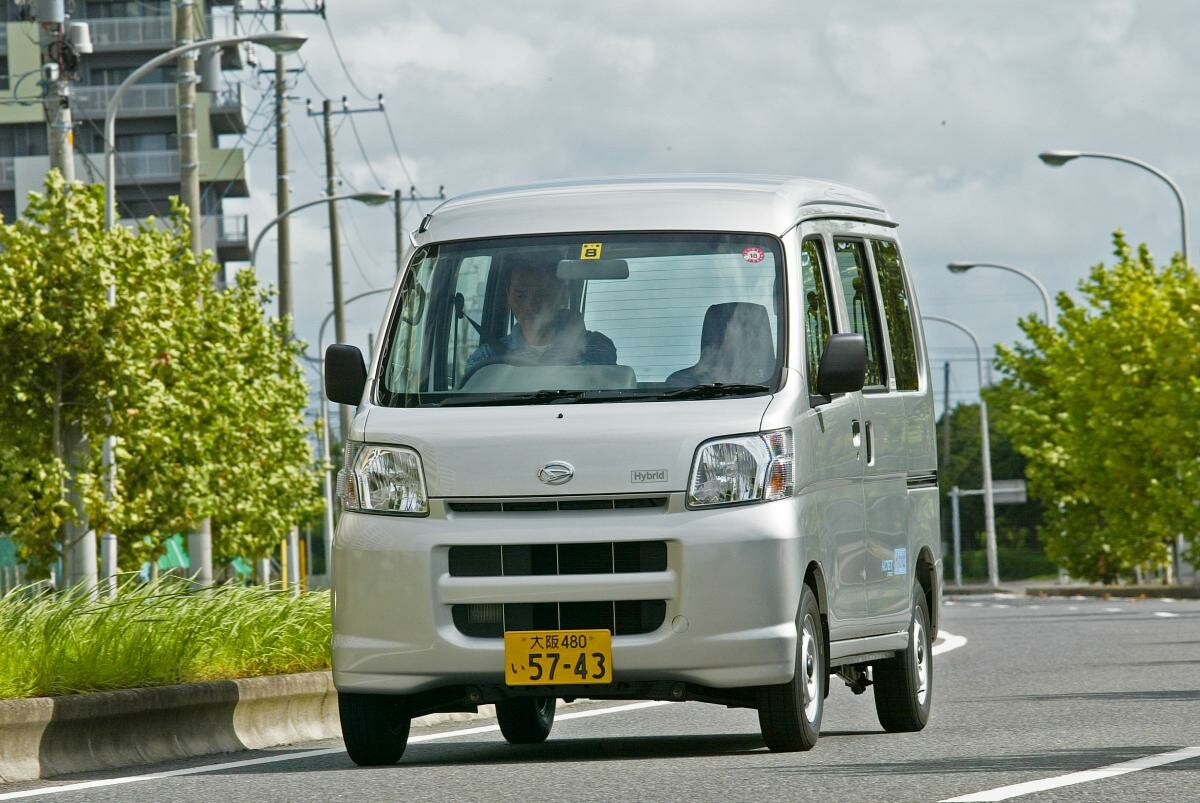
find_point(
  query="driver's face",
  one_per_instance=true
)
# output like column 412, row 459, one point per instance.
column 534, row 296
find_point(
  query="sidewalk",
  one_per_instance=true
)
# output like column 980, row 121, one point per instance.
column 1040, row 588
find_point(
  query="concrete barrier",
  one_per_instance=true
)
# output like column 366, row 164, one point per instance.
column 47, row 736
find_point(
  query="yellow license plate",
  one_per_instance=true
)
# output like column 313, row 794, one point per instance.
column 545, row 657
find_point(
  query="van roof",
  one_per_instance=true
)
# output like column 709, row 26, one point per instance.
column 745, row 203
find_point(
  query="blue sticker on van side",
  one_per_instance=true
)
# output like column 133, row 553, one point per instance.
column 900, row 565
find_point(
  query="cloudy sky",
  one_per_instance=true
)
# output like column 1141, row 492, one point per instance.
column 938, row 108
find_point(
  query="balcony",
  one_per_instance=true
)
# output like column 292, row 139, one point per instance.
column 8, row 174
column 229, row 234
column 158, row 33
column 227, row 110
column 141, row 100
column 148, row 167
column 132, row 33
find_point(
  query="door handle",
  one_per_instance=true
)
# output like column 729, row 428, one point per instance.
column 870, row 444
column 856, row 434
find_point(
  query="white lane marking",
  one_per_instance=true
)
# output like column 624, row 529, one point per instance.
column 945, row 643
column 1166, row 614
column 1113, row 610
column 1072, row 607
column 326, row 751
column 1000, row 605
column 1111, row 771
column 975, row 604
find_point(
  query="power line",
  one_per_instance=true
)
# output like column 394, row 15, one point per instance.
column 387, row 118
column 363, row 151
column 338, row 52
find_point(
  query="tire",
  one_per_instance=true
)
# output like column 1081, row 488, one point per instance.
column 904, row 684
column 374, row 727
column 526, row 720
column 789, row 714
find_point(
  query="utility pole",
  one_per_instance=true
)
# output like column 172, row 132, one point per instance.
column 185, row 94
column 398, row 200
column 59, row 61
column 199, row 540
column 282, row 185
column 335, row 251
column 946, row 416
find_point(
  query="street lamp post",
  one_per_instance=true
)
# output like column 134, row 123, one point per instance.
column 279, row 41
column 963, row 267
column 368, row 198
column 327, row 478
column 1060, row 158
column 989, row 509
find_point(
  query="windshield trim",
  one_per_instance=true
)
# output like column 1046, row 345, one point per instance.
column 379, row 396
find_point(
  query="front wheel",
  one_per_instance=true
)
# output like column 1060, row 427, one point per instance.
column 526, row 720
column 904, row 684
column 789, row 714
column 374, row 727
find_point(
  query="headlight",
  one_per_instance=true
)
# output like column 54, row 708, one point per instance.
column 749, row 468
column 382, row 479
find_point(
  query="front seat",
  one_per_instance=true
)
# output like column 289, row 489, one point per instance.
column 736, row 347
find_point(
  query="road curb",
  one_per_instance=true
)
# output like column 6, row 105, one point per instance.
column 43, row 737
column 1150, row 592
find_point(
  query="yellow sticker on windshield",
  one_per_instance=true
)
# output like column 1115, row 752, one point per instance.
column 590, row 250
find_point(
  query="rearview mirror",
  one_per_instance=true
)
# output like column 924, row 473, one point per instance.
column 573, row 269
column 843, row 366
column 345, row 374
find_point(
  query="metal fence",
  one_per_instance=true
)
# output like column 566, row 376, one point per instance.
column 141, row 100
column 145, row 33
column 232, row 229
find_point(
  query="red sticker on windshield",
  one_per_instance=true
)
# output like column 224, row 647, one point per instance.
column 753, row 254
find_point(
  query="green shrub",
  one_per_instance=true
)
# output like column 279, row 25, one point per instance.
column 1015, row 563
column 156, row 634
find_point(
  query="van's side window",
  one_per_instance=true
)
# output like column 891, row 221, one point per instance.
column 817, row 323
column 897, row 313
column 860, row 301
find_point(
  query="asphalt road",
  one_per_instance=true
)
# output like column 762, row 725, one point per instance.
column 1042, row 689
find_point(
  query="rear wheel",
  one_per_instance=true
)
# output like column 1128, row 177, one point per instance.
column 789, row 714
column 904, row 684
column 374, row 727
column 526, row 720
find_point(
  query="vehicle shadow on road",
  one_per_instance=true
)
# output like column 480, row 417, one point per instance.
column 621, row 748
column 1049, row 762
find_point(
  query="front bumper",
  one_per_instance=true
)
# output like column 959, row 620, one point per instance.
column 731, row 588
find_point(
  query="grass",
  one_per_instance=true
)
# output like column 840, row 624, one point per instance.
column 156, row 634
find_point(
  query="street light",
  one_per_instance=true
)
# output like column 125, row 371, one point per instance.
column 963, row 267
column 278, row 41
column 368, row 198
column 989, row 509
column 1060, row 157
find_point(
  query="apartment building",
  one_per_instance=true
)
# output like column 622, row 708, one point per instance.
column 125, row 34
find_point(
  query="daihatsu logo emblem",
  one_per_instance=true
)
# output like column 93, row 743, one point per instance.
column 556, row 473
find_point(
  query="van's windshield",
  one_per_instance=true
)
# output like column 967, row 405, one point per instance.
column 587, row 318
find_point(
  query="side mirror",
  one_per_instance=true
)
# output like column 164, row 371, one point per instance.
column 345, row 374
column 843, row 366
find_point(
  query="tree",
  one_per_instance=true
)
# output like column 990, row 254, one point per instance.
column 1104, row 408
column 201, row 392
column 1016, row 525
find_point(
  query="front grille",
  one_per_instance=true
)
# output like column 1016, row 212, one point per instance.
column 522, row 560
column 555, row 505
column 621, row 618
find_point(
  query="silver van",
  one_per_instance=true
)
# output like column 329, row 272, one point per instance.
column 645, row 438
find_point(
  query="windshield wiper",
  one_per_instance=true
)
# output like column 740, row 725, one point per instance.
column 713, row 390
column 540, row 397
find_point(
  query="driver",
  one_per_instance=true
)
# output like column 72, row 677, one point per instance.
column 547, row 332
